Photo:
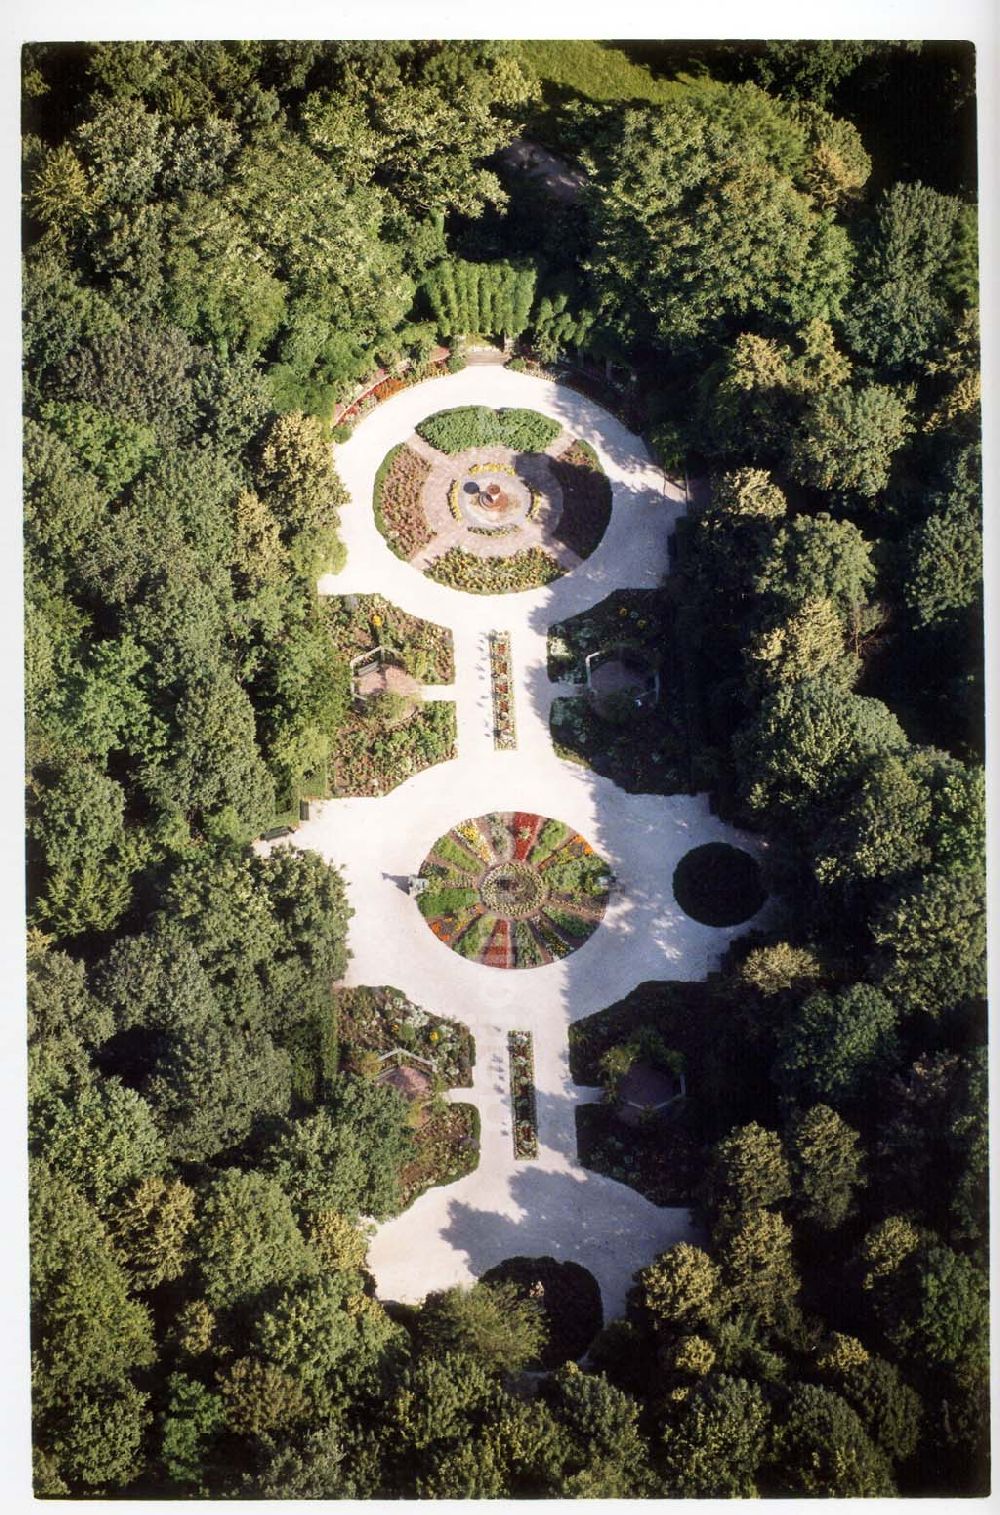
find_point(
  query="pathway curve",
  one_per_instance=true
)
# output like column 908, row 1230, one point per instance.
column 551, row 1206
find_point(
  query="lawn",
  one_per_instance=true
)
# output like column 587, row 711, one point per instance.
column 598, row 71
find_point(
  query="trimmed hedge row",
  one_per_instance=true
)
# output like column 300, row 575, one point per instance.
column 468, row 426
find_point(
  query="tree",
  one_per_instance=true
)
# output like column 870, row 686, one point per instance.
column 682, row 1288
column 331, row 1341
column 694, row 207
column 808, row 644
column 826, row 1158
column 943, row 573
column 817, row 558
column 848, row 439
column 85, row 854
column 248, row 1240
column 188, row 1427
column 930, row 940
column 609, row 1459
column 774, row 970
column 746, row 1172
column 914, row 810
column 889, row 1410
column 489, row 1322
column 901, row 309
column 823, row 1449
column 758, row 1269
column 807, row 744
column 212, row 1082
column 151, row 1229
column 296, row 476
column 718, row 1442
column 347, row 1156
column 214, row 764
column 101, row 1136
column 933, row 1307
column 835, row 1044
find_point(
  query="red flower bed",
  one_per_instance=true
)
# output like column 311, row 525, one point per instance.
column 386, row 388
column 525, row 831
column 498, row 953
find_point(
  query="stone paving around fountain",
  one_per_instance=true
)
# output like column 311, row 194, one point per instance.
column 550, row 1206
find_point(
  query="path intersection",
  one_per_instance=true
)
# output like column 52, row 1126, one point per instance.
column 550, row 1206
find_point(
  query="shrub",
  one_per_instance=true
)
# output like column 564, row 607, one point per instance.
column 468, row 426
column 718, row 885
column 340, row 432
column 456, row 362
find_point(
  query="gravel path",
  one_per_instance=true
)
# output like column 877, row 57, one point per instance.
column 550, row 1206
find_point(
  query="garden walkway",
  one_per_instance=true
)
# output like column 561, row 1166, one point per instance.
column 550, row 1206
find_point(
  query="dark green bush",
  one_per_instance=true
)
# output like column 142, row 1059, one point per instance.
column 718, row 885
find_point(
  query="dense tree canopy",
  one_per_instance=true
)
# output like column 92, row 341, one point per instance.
column 759, row 263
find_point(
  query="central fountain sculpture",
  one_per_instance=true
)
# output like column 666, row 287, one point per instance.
column 491, row 497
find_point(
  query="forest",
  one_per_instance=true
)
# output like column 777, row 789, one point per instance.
column 770, row 271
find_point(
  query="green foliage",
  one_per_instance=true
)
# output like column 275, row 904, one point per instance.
column 468, row 426
column 901, row 310
column 718, row 885
column 682, row 1288
column 248, row 1240
column 834, row 1046
column 814, row 558
column 718, row 1442
column 346, row 1156
column 824, row 1451
column 190, row 1422
column 479, row 298
column 849, row 437
column 807, row 744
column 747, row 1171
column 930, row 940
column 528, row 569
column 695, row 209
column 101, row 1136
column 826, row 1160
column 489, row 1322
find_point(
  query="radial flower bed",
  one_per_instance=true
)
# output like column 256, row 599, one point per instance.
column 513, row 890
column 502, row 685
column 522, row 1094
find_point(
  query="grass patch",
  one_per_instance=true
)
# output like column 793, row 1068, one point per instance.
column 597, row 71
column 719, row 885
column 466, row 426
column 435, row 902
column 522, row 570
column 551, row 837
column 569, row 1297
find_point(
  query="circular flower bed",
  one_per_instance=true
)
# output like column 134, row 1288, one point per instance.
column 568, row 1296
column 719, row 885
column 513, row 890
column 490, row 510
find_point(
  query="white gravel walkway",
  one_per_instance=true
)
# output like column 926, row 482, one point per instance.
column 550, row 1206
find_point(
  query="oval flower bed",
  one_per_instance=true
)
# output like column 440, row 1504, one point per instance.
column 513, row 890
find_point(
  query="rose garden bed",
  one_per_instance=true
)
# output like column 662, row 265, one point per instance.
column 502, row 690
column 513, row 890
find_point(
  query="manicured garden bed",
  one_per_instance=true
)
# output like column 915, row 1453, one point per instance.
column 569, row 1297
column 447, row 1148
column 660, row 1159
column 524, row 1114
column 466, row 426
column 399, row 513
column 502, row 691
column 359, row 623
column 513, row 890
column 380, row 1018
column 528, row 569
column 370, row 759
column 587, row 498
column 719, row 885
